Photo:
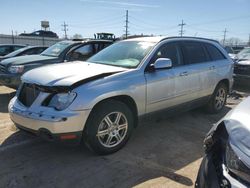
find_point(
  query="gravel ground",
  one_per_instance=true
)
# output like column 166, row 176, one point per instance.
column 164, row 153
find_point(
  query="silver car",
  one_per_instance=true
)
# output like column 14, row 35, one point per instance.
column 100, row 101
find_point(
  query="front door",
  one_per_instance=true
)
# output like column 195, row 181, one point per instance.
column 169, row 87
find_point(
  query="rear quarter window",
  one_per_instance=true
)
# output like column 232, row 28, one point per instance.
column 214, row 53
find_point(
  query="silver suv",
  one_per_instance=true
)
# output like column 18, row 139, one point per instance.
column 100, row 101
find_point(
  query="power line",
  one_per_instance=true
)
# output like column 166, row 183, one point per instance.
column 65, row 29
column 181, row 25
column 126, row 25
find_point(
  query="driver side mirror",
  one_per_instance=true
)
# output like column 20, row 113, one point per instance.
column 161, row 63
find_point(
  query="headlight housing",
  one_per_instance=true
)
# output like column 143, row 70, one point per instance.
column 236, row 165
column 16, row 69
column 61, row 101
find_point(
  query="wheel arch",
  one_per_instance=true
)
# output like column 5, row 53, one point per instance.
column 127, row 100
column 226, row 82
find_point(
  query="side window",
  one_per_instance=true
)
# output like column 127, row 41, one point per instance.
column 214, row 53
column 194, row 52
column 39, row 50
column 82, row 53
column 28, row 52
column 171, row 51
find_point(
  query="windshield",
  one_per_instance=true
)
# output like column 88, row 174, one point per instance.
column 56, row 49
column 244, row 54
column 126, row 54
column 13, row 54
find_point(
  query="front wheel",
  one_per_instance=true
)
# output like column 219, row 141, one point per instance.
column 109, row 127
column 218, row 99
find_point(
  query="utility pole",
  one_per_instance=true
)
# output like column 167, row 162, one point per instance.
column 181, row 32
column 224, row 36
column 65, row 29
column 249, row 40
column 126, row 26
column 12, row 37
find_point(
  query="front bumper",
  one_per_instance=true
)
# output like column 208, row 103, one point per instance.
column 208, row 176
column 47, row 120
column 10, row 80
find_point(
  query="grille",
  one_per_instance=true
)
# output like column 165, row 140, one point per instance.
column 3, row 69
column 242, row 69
column 28, row 94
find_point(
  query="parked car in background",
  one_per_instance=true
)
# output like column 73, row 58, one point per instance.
column 28, row 50
column 41, row 33
column 11, row 69
column 8, row 48
column 242, row 67
column 230, row 52
column 101, row 101
column 227, row 151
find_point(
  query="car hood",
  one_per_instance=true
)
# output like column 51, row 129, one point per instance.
column 67, row 74
column 22, row 60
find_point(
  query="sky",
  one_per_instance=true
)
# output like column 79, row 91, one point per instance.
column 203, row 18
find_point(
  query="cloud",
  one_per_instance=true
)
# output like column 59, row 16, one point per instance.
column 119, row 3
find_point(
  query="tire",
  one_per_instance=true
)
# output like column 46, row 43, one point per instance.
column 103, row 134
column 218, row 99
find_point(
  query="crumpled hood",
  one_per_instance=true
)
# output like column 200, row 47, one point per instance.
column 67, row 74
column 22, row 60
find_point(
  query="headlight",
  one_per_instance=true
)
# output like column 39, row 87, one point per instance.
column 16, row 69
column 236, row 165
column 61, row 101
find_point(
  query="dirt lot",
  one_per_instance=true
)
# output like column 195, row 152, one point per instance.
column 164, row 153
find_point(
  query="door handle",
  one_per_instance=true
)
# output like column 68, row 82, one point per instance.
column 184, row 73
column 212, row 68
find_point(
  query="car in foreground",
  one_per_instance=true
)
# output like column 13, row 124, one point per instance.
column 101, row 101
column 12, row 69
column 227, row 146
column 41, row 33
column 8, row 48
column 28, row 50
column 242, row 67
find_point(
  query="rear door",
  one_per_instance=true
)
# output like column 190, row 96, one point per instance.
column 200, row 68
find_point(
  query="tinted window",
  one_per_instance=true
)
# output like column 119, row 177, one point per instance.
column 194, row 53
column 214, row 53
column 100, row 46
column 170, row 51
column 82, row 53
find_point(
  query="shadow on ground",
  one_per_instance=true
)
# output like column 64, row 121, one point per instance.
column 4, row 101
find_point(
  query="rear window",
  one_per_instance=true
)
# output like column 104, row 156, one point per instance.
column 214, row 53
column 194, row 52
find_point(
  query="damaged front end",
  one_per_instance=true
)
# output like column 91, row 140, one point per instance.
column 226, row 161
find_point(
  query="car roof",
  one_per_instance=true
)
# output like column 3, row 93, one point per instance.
column 162, row 38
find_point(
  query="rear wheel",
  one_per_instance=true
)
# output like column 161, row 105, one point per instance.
column 218, row 99
column 109, row 127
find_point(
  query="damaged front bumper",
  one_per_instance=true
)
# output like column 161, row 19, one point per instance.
column 47, row 120
column 210, row 177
